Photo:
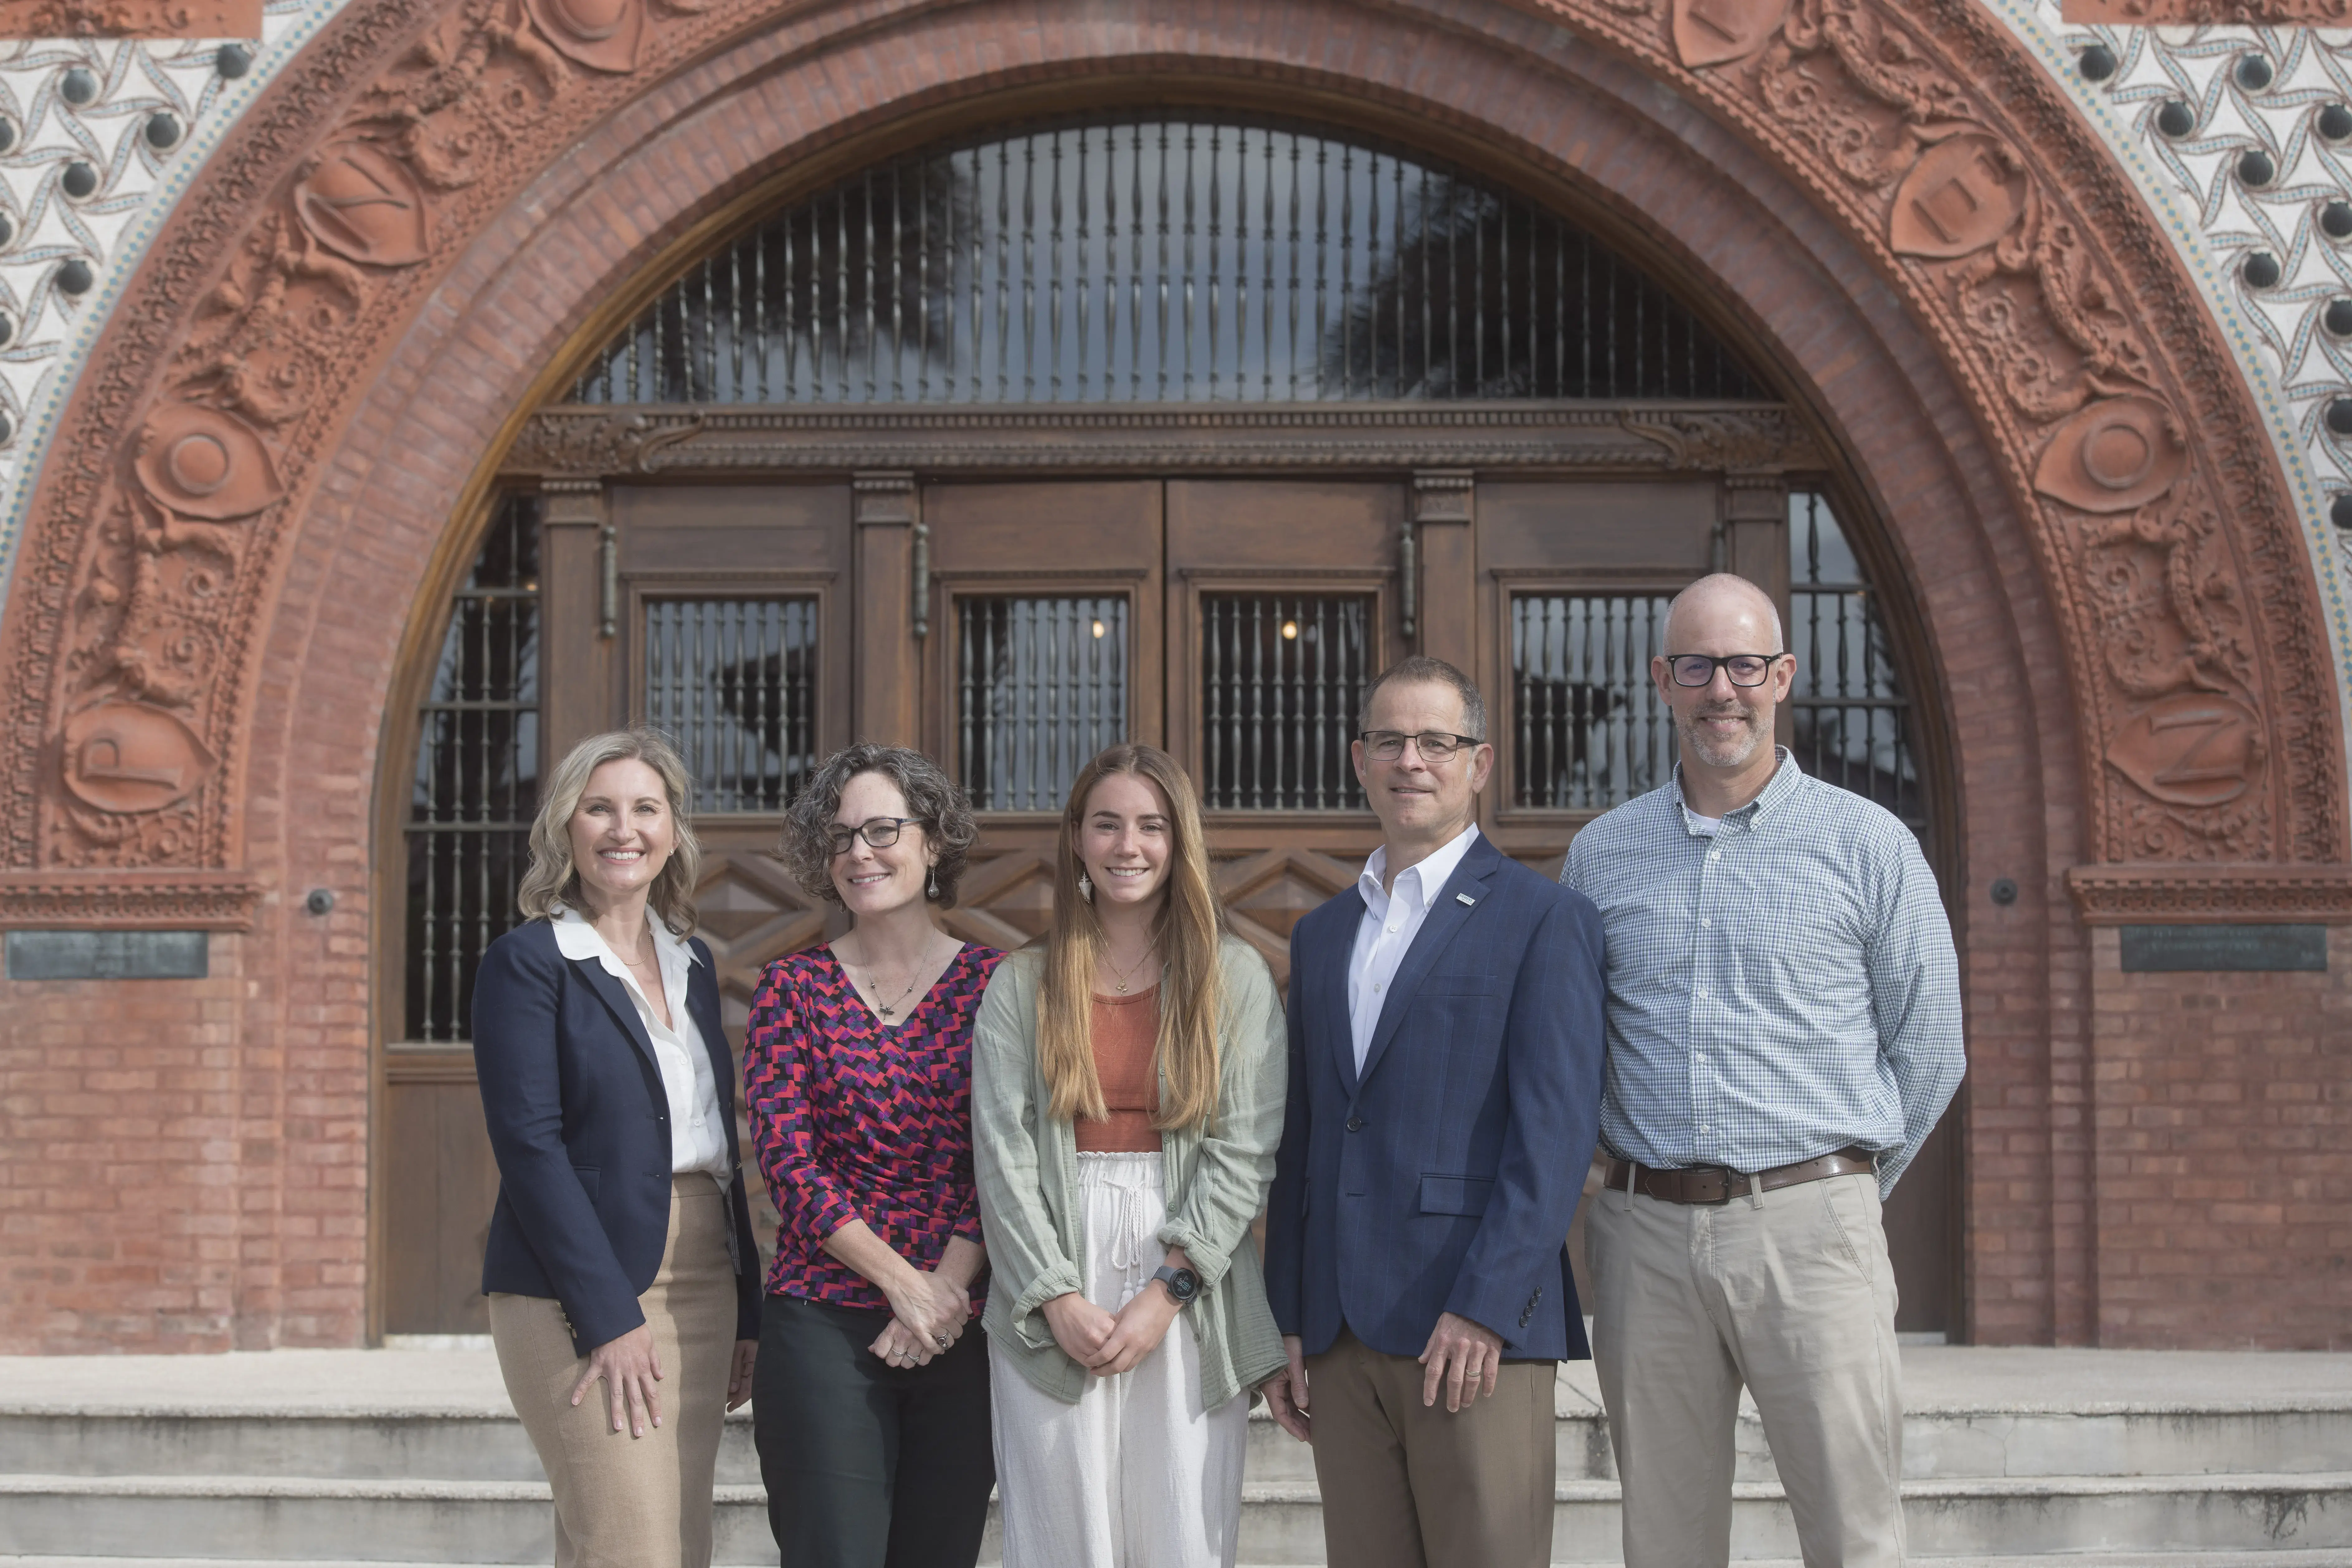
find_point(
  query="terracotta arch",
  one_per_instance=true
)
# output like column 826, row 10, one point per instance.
column 370, row 281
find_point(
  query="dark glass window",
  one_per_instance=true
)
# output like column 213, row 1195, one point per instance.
column 1041, row 687
column 475, row 787
column 1280, row 678
column 1589, row 731
column 733, row 682
column 1851, row 716
column 1149, row 260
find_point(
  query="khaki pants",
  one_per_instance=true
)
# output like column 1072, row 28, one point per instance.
column 1790, row 1294
column 1411, row 1486
column 624, row 1502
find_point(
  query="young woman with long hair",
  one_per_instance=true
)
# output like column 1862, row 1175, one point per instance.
column 1127, row 1080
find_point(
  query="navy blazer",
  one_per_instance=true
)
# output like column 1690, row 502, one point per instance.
column 1445, row 1178
column 580, row 1123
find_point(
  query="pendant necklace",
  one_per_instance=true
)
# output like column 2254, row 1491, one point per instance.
column 888, row 1010
column 1123, row 983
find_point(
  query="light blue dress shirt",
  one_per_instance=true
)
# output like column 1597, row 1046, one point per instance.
column 1781, row 988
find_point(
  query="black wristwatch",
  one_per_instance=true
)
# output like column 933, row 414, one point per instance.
column 1183, row 1284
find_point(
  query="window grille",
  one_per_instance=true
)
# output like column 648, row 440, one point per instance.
column 733, row 681
column 1280, row 678
column 1143, row 260
column 1851, row 716
column 1589, row 731
column 1042, row 686
column 475, row 787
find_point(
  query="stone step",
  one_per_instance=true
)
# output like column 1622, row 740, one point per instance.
column 489, row 1444
column 2290, row 1559
column 300, row 1520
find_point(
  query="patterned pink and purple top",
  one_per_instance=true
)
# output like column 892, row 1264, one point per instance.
column 854, row 1120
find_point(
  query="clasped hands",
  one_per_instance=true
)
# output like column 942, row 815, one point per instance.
column 928, row 1313
column 1109, row 1343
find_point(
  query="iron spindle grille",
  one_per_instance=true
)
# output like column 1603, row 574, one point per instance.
column 734, row 682
column 1280, row 678
column 1041, row 687
column 1141, row 261
column 475, row 787
column 1589, row 731
column 1850, row 717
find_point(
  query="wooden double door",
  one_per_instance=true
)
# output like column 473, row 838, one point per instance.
column 1012, row 627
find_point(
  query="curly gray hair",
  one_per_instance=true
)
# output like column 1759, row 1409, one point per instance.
column 933, row 799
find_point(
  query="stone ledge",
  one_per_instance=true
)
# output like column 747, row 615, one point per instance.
column 2192, row 894
column 166, row 899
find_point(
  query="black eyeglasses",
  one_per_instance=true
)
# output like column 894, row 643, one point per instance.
column 1435, row 745
column 879, row 832
column 1697, row 669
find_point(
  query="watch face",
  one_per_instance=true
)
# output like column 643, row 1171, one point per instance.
column 1186, row 1285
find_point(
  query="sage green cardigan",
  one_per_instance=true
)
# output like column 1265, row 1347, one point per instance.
column 1027, row 1163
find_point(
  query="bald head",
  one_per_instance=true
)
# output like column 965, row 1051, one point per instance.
column 1722, row 603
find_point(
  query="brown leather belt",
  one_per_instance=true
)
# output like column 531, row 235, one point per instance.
column 1720, row 1184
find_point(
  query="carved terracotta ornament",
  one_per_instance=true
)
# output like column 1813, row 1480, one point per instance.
column 1961, row 197
column 1716, row 32
column 602, row 34
column 2195, row 748
column 133, row 19
column 200, row 462
column 2118, row 454
column 360, row 203
column 130, row 757
column 1922, row 128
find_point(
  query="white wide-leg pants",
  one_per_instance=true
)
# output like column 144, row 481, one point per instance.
column 1136, row 1474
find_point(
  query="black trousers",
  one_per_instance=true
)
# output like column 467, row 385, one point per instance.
column 867, row 1465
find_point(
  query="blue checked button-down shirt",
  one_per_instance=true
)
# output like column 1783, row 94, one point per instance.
column 1781, row 989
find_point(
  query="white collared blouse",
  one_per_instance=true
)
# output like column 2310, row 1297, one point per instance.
column 697, row 1138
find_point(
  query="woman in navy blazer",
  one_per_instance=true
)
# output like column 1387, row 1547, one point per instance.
column 621, row 1249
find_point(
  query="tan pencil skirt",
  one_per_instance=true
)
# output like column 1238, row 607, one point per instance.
column 624, row 1502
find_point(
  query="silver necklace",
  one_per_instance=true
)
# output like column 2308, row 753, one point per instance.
column 888, row 1010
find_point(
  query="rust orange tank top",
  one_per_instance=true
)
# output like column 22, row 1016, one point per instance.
column 1127, row 1045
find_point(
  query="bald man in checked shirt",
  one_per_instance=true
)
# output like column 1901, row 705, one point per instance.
column 1784, row 1031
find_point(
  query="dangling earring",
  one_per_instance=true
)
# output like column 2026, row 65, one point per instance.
column 1085, row 886
column 932, row 891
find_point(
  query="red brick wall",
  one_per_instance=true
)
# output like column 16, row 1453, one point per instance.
column 123, row 1213
column 2224, row 1136
column 247, row 1223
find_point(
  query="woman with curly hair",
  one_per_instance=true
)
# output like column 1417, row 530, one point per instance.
column 871, row 1407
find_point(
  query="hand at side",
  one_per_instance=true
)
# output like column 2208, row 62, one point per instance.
column 630, row 1366
column 1286, row 1393
column 1464, row 1358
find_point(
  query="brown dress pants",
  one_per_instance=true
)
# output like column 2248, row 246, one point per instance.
column 624, row 1502
column 1411, row 1486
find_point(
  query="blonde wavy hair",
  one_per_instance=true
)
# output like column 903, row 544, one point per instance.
column 1186, row 933
column 553, row 879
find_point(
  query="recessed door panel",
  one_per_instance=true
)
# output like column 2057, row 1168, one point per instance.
column 731, row 527
column 1598, row 526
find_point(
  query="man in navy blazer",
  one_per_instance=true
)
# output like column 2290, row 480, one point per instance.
column 1446, row 1046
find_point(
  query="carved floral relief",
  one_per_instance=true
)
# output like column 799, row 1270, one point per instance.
column 2165, row 634
column 2194, row 650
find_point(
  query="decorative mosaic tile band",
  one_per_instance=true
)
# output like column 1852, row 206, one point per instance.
column 2240, row 137
column 99, row 137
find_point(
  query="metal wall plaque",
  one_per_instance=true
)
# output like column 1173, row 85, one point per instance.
column 2160, row 950
column 108, row 955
